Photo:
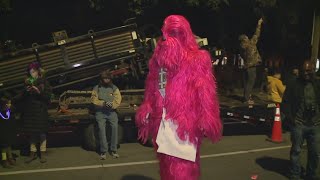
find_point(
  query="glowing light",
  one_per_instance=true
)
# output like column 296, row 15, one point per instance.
column 76, row 65
column 317, row 65
column 7, row 114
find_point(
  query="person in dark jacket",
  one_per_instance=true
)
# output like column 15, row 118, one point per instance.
column 301, row 104
column 7, row 133
column 106, row 98
column 292, row 75
column 251, row 58
column 264, row 81
column 36, row 98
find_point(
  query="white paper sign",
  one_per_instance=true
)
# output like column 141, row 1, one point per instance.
column 169, row 143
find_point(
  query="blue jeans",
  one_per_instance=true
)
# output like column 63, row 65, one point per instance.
column 299, row 133
column 102, row 119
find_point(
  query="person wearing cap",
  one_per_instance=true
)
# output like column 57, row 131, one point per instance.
column 36, row 98
column 301, row 103
column 106, row 98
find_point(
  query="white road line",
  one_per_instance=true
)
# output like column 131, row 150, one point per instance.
column 129, row 164
column 135, row 163
column 51, row 170
column 244, row 152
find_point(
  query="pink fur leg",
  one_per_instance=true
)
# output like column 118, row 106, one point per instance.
column 172, row 168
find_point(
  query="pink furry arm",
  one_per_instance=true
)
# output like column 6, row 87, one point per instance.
column 208, row 104
column 142, row 122
column 142, row 115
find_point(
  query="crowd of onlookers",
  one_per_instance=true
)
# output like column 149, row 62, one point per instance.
column 33, row 104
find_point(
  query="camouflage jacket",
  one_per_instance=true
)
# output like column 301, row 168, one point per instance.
column 251, row 54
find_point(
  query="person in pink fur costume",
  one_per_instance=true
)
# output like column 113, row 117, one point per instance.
column 180, row 105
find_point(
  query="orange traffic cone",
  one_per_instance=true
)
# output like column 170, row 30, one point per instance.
column 276, row 136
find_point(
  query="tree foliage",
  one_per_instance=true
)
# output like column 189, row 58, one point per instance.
column 266, row 3
column 5, row 6
column 96, row 4
column 138, row 6
column 213, row 4
column 216, row 4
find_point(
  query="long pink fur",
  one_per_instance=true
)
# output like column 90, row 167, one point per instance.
column 191, row 98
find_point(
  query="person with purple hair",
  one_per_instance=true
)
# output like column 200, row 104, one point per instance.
column 36, row 98
column 180, row 105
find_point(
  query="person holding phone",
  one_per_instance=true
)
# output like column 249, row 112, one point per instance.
column 36, row 98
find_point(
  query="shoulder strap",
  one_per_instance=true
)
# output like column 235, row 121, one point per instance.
column 96, row 88
column 114, row 88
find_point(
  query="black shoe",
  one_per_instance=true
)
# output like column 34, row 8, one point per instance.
column 294, row 178
column 6, row 164
column 12, row 162
column 32, row 157
column 43, row 158
column 310, row 178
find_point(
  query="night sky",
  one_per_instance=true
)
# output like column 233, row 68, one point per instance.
column 35, row 20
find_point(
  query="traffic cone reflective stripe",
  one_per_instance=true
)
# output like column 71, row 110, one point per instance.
column 277, row 118
column 277, row 110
